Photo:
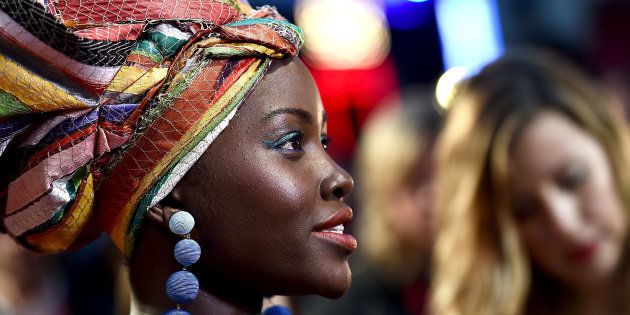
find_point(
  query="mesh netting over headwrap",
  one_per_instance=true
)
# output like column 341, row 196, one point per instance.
column 105, row 104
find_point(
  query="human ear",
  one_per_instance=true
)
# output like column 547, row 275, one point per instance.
column 161, row 212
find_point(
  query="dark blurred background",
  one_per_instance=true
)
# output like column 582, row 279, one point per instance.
column 363, row 52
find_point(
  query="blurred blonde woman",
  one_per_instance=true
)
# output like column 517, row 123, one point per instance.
column 395, row 185
column 395, row 168
column 533, row 194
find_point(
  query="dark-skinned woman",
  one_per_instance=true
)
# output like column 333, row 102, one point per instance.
column 189, row 132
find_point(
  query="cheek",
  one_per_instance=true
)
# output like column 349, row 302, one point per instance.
column 272, row 198
column 605, row 208
column 264, row 204
column 538, row 244
column 282, row 189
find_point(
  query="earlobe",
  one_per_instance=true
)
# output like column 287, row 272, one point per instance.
column 161, row 214
column 156, row 215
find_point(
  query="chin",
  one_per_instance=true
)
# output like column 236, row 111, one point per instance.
column 338, row 284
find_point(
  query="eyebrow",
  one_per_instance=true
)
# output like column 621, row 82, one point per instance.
column 302, row 114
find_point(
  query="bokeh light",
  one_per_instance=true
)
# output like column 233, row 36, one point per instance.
column 348, row 34
column 470, row 32
column 448, row 83
column 407, row 14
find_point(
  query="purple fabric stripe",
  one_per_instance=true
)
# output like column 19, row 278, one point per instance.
column 69, row 126
column 117, row 113
column 17, row 124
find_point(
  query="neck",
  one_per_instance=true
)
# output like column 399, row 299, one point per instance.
column 596, row 299
column 151, row 264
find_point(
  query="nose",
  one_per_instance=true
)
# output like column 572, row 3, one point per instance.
column 337, row 184
column 563, row 213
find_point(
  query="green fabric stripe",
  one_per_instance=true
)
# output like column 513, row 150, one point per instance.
column 166, row 44
column 149, row 49
column 135, row 224
column 247, row 22
column 232, row 3
column 11, row 106
column 222, row 52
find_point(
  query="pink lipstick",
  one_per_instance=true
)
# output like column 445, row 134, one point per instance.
column 332, row 230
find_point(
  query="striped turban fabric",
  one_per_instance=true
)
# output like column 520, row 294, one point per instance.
column 106, row 104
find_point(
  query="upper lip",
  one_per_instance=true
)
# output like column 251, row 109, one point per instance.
column 342, row 216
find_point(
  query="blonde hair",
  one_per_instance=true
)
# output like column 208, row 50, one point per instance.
column 391, row 145
column 480, row 264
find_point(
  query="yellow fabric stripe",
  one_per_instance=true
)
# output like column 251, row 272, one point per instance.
column 120, row 229
column 255, row 47
column 62, row 236
column 33, row 90
column 134, row 80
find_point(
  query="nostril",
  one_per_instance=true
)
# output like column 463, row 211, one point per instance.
column 339, row 192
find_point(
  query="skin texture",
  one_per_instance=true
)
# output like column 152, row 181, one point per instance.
column 568, row 210
column 257, row 195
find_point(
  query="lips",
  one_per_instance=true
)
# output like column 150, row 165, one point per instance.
column 584, row 254
column 332, row 230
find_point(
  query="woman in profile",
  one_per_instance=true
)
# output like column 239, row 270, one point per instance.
column 191, row 134
column 533, row 196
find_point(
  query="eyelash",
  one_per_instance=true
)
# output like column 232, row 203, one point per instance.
column 294, row 139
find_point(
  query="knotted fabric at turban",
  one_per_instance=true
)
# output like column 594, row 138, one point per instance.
column 106, row 104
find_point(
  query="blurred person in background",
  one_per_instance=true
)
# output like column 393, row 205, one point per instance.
column 394, row 167
column 532, row 194
column 30, row 284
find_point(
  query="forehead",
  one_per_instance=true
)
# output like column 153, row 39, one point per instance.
column 548, row 142
column 287, row 84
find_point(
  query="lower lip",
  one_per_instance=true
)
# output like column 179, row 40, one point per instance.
column 344, row 240
column 584, row 254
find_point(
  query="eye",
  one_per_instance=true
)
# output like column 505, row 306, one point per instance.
column 573, row 177
column 289, row 144
column 292, row 144
column 325, row 141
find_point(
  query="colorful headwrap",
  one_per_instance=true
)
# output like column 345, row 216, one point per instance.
column 106, row 104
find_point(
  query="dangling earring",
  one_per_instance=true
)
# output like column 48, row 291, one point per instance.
column 182, row 286
column 276, row 309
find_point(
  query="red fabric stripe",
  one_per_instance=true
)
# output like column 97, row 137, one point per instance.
column 115, row 11
column 112, row 33
column 142, row 60
column 261, row 34
column 236, row 73
column 59, row 145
